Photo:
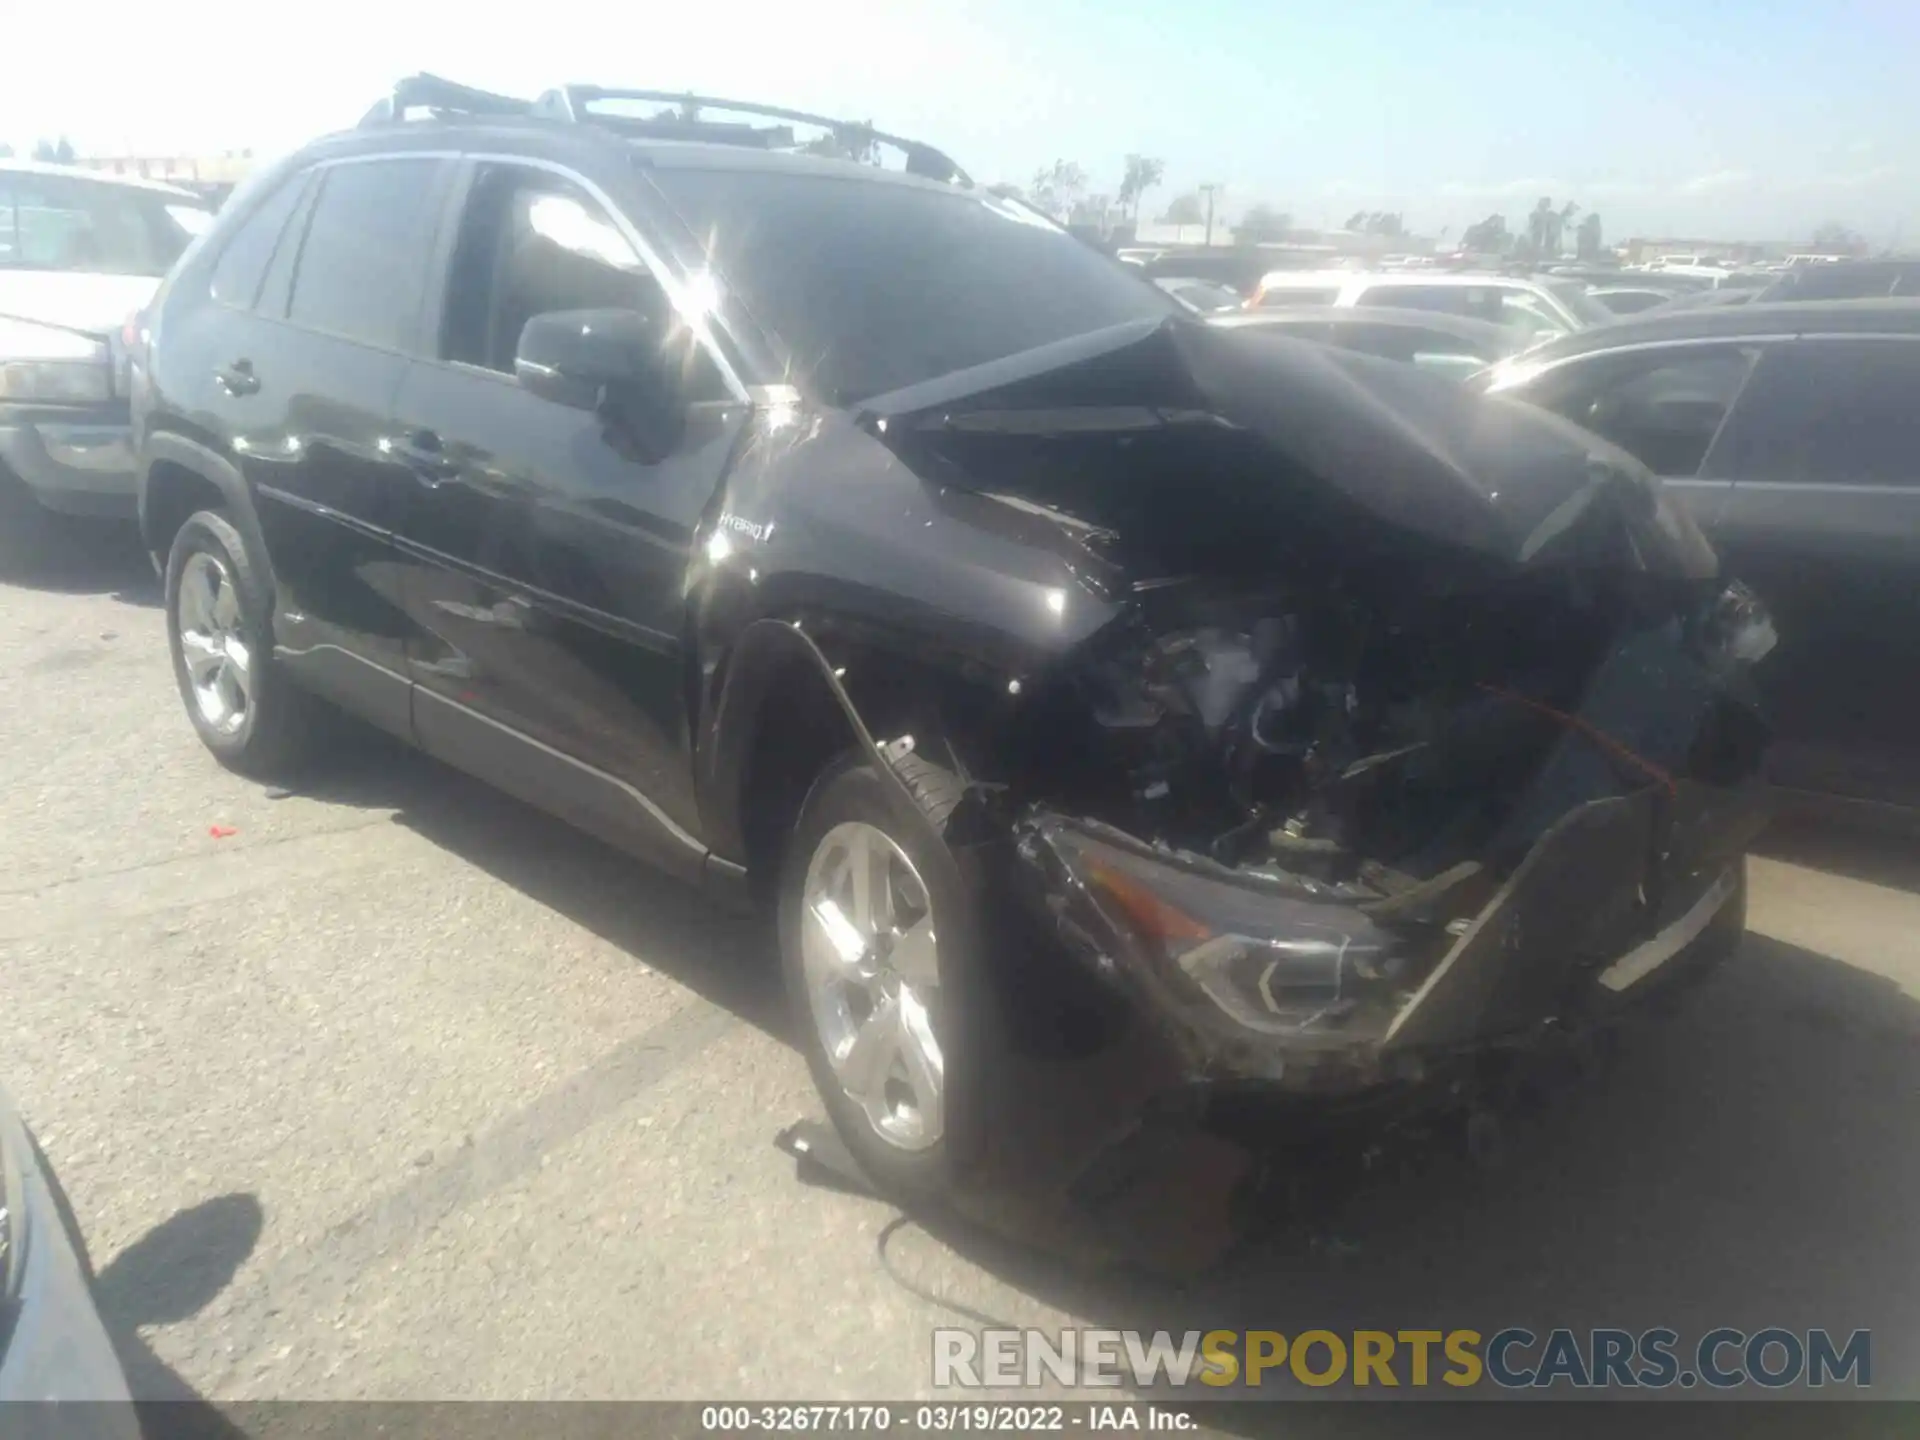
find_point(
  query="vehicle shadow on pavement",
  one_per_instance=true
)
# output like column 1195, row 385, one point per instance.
column 1745, row 1162
column 70, row 556
column 168, row 1275
column 726, row 958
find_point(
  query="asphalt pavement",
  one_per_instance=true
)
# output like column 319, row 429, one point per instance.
column 394, row 1088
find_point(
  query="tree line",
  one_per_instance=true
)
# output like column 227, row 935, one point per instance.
column 56, row 152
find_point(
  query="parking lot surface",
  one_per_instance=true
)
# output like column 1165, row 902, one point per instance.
column 393, row 1088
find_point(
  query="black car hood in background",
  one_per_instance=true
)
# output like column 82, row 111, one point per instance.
column 1495, row 476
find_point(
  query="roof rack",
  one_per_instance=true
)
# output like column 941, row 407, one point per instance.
column 442, row 97
column 686, row 120
column 572, row 102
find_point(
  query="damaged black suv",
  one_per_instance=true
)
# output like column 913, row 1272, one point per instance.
column 1077, row 680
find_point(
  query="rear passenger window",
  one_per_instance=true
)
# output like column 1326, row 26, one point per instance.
column 1833, row 412
column 249, row 250
column 363, row 263
column 1663, row 408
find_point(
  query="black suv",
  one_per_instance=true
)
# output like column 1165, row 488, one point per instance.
column 1077, row 680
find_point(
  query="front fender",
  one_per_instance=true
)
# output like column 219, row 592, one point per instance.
column 766, row 661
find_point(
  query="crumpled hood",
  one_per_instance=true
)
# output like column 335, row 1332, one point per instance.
column 1491, row 475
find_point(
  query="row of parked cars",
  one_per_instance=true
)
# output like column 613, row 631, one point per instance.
column 1071, row 673
column 1790, row 433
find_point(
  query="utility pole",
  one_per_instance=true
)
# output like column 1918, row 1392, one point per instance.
column 1209, row 191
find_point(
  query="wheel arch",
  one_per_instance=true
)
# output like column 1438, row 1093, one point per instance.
column 181, row 476
column 785, row 711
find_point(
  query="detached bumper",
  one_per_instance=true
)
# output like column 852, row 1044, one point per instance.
column 77, row 461
column 1585, row 928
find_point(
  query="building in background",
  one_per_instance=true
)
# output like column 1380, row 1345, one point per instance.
column 212, row 175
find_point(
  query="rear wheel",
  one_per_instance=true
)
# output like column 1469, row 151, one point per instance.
column 220, row 629
column 876, row 939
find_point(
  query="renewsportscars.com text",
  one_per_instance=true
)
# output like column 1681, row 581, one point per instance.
column 1513, row 1358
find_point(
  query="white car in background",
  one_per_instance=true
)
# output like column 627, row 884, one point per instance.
column 1537, row 307
column 80, row 254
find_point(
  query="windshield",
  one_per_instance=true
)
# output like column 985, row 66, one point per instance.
column 873, row 286
column 70, row 223
column 1583, row 307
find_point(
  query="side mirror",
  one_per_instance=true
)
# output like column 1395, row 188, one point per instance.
column 580, row 357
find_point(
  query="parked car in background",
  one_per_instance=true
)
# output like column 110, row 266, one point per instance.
column 53, row 1346
column 1537, row 307
column 1203, row 297
column 1239, row 268
column 1704, row 300
column 1793, row 432
column 1451, row 344
column 80, row 253
column 1035, row 650
column 1630, row 299
column 1846, row 280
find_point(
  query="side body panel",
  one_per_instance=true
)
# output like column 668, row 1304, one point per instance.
column 1835, row 552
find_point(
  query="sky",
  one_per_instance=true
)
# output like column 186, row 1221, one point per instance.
column 1749, row 119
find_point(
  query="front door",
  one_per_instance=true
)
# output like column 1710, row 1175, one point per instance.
column 546, row 561
column 1823, row 520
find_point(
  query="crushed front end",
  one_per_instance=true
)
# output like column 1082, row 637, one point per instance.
column 1416, row 727
column 1390, row 882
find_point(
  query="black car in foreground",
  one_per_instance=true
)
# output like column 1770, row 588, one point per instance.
column 1793, row 434
column 1076, row 679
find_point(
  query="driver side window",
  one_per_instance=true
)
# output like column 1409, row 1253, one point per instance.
column 531, row 243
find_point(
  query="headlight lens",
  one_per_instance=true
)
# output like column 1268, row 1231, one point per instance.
column 51, row 365
column 1276, row 964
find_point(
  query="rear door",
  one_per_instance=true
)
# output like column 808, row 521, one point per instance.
column 305, row 376
column 1823, row 519
column 546, row 561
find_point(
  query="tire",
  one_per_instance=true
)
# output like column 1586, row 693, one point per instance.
column 913, row 1166
column 272, row 734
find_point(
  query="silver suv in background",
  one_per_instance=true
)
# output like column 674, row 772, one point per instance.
column 80, row 254
column 1539, row 308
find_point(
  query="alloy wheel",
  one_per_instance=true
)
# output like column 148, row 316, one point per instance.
column 870, row 955
column 218, row 659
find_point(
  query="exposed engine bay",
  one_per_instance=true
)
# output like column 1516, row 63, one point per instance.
column 1345, row 786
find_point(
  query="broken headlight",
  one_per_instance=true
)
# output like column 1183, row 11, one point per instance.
column 1275, row 963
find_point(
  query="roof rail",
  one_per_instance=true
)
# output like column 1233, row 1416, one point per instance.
column 572, row 102
column 686, row 120
column 443, row 97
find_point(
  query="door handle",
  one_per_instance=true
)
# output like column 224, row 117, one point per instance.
column 422, row 453
column 238, row 378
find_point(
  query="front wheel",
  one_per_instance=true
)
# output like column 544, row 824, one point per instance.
column 877, row 942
